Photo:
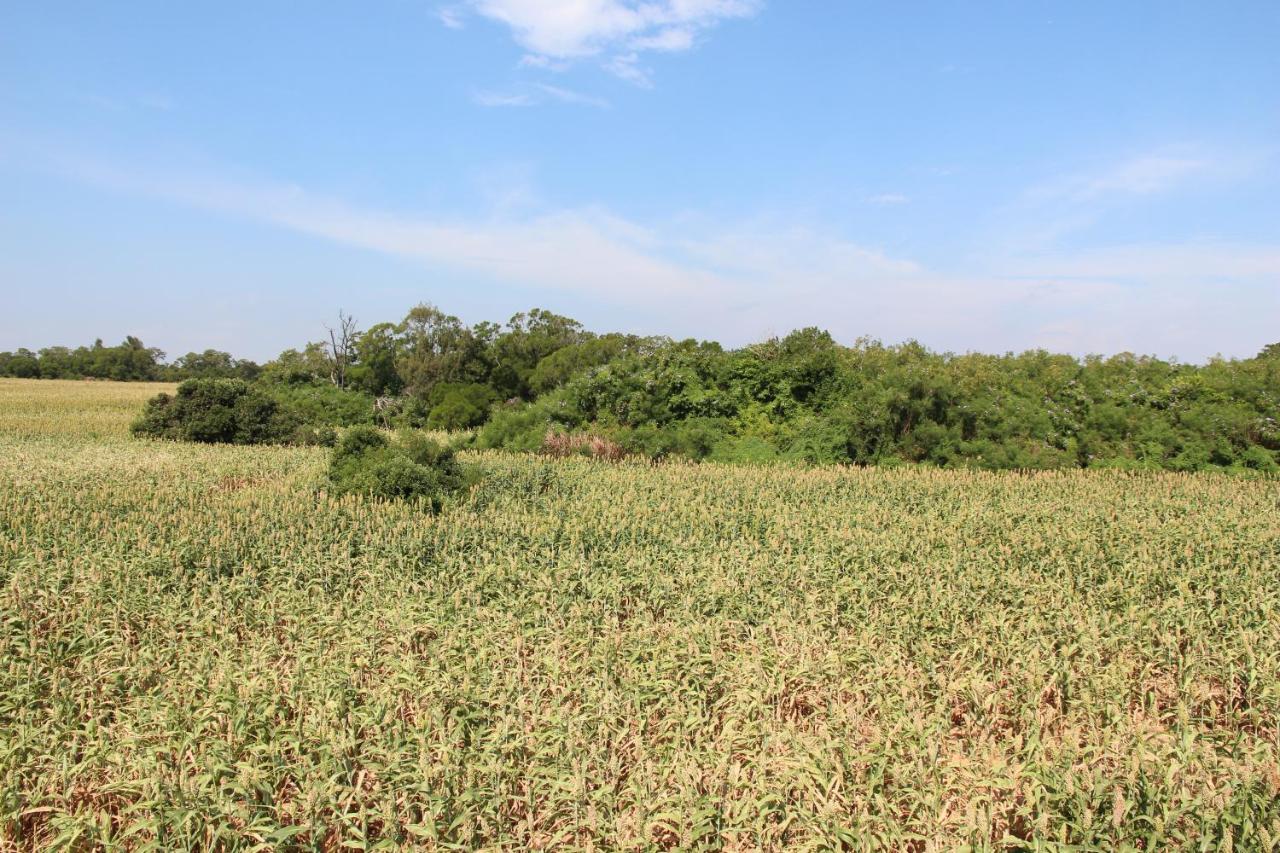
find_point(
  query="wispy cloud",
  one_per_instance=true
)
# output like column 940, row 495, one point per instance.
column 1138, row 176
column 1074, row 202
column 503, row 99
column 568, row 96
column 614, row 32
column 888, row 198
column 451, row 16
column 536, row 93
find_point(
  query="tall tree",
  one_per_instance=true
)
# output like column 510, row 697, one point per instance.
column 342, row 348
column 436, row 347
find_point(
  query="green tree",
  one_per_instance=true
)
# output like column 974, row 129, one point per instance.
column 377, row 351
column 436, row 347
column 529, row 337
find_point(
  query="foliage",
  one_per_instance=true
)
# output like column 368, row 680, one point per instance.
column 308, row 366
column 367, row 461
column 23, row 364
column 321, row 435
column 202, row 652
column 211, row 364
column 459, row 405
column 435, row 347
column 319, row 402
column 515, row 427
column 226, row 411
column 806, row 398
column 560, row 365
column 529, row 338
column 130, row 361
column 377, row 350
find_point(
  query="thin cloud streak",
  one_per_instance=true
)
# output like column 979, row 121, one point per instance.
column 499, row 99
column 1143, row 175
column 536, row 94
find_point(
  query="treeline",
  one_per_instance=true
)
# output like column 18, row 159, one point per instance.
column 541, row 381
column 129, row 361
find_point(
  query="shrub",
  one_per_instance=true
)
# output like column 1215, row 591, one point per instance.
column 367, row 461
column 1259, row 459
column 217, row 411
column 747, row 449
column 320, row 402
column 459, row 405
column 321, row 435
column 455, row 413
column 522, row 428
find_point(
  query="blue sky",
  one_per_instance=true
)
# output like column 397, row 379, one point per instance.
column 1084, row 177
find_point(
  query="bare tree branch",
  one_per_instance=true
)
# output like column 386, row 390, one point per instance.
column 342, row 348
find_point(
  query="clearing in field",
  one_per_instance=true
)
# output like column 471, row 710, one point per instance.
column 201, row 648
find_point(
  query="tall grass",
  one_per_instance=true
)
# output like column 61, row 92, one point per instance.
column 199, row 648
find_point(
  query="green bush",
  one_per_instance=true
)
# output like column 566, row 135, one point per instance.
column 321, row 435
column 367, row 461
column 1259, row 459
column 226, row 411
column 321, row 402
column 459, row 405
column 746, row 449
column 522, row 428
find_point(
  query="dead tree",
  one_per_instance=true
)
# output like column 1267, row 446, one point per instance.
column 385, row 408
column 342, row 348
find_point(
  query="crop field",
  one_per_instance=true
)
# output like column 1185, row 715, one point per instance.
column 200, row 648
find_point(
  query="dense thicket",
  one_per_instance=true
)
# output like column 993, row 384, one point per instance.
column 803, row 397
column 226, row 411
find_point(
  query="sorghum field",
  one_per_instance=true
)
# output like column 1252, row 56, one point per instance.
column 200, row 649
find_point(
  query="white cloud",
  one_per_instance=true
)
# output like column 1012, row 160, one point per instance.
column 671, row 39
column 615, row 32
column 888, row 198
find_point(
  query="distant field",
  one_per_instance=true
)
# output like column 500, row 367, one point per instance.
column 198, row 648
column 85, row 409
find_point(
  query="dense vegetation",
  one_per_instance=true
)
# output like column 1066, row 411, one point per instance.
column 226, row 411
column 411, row 465
column 806, row 398
column 206, row 648
column 801, row 398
